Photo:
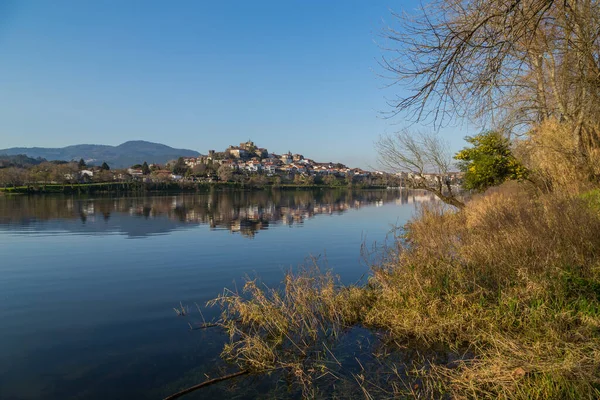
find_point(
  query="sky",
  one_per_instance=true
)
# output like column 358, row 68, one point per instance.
column 289, row 75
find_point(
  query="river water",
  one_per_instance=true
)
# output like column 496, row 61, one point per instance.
column 88, row 285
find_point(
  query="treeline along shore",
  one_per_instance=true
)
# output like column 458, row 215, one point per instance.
column 165, row 187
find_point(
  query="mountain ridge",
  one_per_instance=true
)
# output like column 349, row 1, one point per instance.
column 120, row 156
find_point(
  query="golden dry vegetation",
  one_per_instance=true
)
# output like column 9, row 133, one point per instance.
column 511, row 282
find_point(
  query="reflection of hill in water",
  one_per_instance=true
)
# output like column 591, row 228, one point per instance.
column 237, row 211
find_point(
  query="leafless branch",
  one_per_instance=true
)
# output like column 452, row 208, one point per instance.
column 422, row 159
column 507, row 63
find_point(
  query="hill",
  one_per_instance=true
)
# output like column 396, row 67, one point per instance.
column 18, row 160
column 124, row 155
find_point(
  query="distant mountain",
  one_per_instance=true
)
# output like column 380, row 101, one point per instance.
column 124, row 155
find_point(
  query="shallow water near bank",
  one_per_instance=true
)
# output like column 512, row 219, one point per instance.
column 88, row 285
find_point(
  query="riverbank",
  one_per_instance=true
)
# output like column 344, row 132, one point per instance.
column 172, row 187
column 499, row 300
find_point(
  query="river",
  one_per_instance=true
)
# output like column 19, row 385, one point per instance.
column 88, row 284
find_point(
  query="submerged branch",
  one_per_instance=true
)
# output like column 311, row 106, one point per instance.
column 205, row 384
column 204, row 326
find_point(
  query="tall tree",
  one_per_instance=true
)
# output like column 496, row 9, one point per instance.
column 180, row 168
column 82, row 164
column 199, row 169
column 145, row 168
column 507, row 63
column 104, row 167
column 225, row 173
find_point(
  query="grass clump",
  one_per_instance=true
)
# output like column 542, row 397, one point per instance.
column 290, row 328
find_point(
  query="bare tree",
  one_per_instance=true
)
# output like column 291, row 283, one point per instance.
column 65, row 173
column 507, row 63
column 424, row 161
column 225, row 173
column 12, row 176
column 200, row 169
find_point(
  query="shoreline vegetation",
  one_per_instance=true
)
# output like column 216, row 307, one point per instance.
column 497, row 299
column 170, row 187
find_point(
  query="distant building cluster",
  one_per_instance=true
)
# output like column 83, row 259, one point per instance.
column 248, row 157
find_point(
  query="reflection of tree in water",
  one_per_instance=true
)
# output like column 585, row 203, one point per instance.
column 246, row 212
column 180, row 213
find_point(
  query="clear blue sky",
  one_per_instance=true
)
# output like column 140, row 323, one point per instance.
column 290, row 75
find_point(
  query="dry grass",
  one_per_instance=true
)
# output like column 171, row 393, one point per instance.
column 182, row 310
column 289, row 328
column 513, row 278
column 513, row 281
column 555, row 160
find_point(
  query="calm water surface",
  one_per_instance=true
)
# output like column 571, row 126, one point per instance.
column 88, row 285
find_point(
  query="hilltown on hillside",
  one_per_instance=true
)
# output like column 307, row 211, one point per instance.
column 248, row 159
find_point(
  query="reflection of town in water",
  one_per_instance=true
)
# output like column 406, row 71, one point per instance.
column 246, row 212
